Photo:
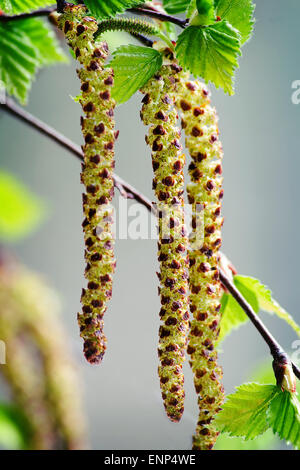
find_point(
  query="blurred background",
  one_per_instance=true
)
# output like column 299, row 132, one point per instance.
column 259, row 129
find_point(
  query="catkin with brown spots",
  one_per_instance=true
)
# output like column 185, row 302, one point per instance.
column 168, row 161
column 97, row 174
column 200, row 123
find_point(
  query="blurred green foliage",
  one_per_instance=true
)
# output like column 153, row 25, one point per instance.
column 21, row 212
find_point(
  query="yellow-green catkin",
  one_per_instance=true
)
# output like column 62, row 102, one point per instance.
column 200, row 123
column 38, row 367
column 22, row 373
column 97, row 174
column 159, row 113
column 38, row 311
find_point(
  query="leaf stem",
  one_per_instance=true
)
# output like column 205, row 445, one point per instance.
column 126, row 190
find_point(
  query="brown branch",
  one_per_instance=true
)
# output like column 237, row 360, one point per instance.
column 158, row 16
column 279, row 355
column 126, row 190
column 23, row 16
column 137, row 11
column 12, row 108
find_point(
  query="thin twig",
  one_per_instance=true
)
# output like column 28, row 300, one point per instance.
column 24, row 16
column 137, row 11
column 276, row 350
column 12, row 108
column 142, row 39
column 126, row 189
column 158, row 16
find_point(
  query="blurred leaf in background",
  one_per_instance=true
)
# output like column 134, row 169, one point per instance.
column 15, row 7
column 21, row 212
column 13, row 428
column 26, row 46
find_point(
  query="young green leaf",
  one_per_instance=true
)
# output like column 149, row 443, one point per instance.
column 20, row 210
column 284, row 417
column 210, row 53
column 245, row 411
column 239, row 13
column 249, row 285
column 232, row 315
column 43, row 39
column 266, row 441
column 170, row 30
column 18, row 61
column 109, row 8
column 175, row 6
column 25, row 45
column 133, row 66
column 191, row 9
column 259, row 297
column 206, row 13
column 15, row 7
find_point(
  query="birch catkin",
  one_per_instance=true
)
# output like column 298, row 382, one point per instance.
column 21, row 371
column 200, row 123
column 37, row 307
column 38, row 367
column 97, row 174
column 168, row 161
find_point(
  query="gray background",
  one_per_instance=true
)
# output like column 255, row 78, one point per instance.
column 260, row 133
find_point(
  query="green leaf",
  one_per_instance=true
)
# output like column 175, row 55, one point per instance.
column 170, row 30
column 26, row 45
column 259, row 297
column 266, row 441
column 239, row 13
column 11, row 428
column 175, row 6
column 244, row 413
column 191, row 9
column 18, row 60
column 232, row 315
column 14, row 7
column 109, row 8
column 133, row 67
column 43, row 39
column 20, row 211
column 284, row 417
column 247, row 285
column 210, row 53
column 206, row 13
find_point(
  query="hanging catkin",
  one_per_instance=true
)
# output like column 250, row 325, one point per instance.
column 200, row 123
column 20, row 370
column 37, row 306
column 38, row 367
column 97, row 174
column 168, row 161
